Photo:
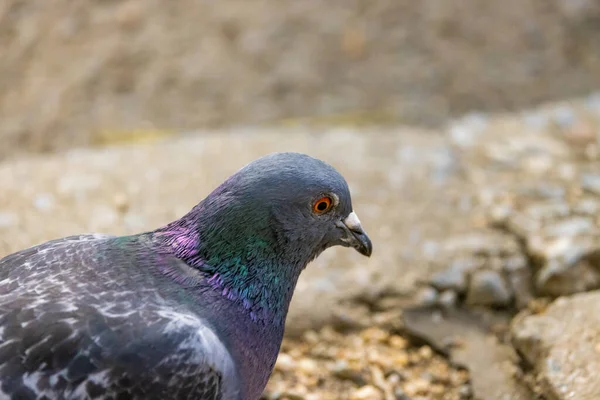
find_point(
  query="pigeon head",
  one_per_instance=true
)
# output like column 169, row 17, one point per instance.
column 255, row 233
column 305, row 201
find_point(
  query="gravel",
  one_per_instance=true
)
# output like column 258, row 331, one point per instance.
column 370, row 364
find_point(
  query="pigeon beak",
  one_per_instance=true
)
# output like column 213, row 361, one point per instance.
column 355, row 236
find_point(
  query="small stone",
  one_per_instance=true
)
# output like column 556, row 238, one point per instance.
column 43, row 201
column 366, row 393
column 488, row 288
column 592, row 152
column 592, row 102
column 311, row 337
column 465, row 392
column 515, row 263
column 388, row 303
column 548, row 210
column 564, row 116
column 8, row 219
column 544, row 191
column 398, row 342
column 400, row 394
column 389, row 320
column 587, row 206
column 375, row 335
column 425, row 352
column 121, row 202
column 534, row 119
column 448, row 299
column 522, row 287
column 427, row 296
column 499, row 214
column 417, row 387
column 538, row 305
column 567, row 275
column 571, row 227
column 307, row 366
column 285, row 362
column 450, row 278
column 591, row 183
column 401, row 360
column 343, row 371
column 291, row 395
column 378, row 379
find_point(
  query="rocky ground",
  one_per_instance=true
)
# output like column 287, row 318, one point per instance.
column 492, row 217
column 370, row 364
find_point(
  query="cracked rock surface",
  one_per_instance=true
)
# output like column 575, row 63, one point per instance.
column 562, row 344
column 536, row 189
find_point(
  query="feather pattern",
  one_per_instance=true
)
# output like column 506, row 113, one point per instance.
column 89, row 335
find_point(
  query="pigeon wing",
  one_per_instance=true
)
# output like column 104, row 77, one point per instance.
column 53, row 358
column 75, row 341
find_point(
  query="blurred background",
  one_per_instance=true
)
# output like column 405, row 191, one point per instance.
column 468, row 131
column 79, row 73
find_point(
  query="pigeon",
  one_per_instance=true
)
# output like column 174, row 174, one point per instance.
column 195, row 309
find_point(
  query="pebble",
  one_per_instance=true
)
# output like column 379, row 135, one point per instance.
column 564, row 116
column 417, row 387
column 366, row 393
column 307, row 365
column 285, row 362
column 344, row 372
column 121, row 202
column 571, row 227
column 515, row 263
column 465, row 392
column 398, row 342
column 43, row 201
column 535, row 119
column 451, row 278
column 425, row 352
column 291, row 395
column 375, row 335
column 548, row 210
column 464, row 132
column 400, row 394
column 448, row 299
column 8, row 220
column 592, row 102
column 558, row 278
column 587, row 206
column 427, row 296
column 544, row 191
column 591, row 183
column 311, row 337
column 488, row 288
column 522, row 286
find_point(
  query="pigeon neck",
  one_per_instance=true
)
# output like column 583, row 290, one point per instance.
column 246, row 266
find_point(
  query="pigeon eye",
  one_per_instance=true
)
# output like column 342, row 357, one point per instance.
column 322, row 205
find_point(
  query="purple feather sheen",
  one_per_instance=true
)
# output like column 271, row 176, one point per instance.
column 185, row 243
column 183, row 240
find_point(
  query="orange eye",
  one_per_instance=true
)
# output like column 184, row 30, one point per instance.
column 322, row 205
